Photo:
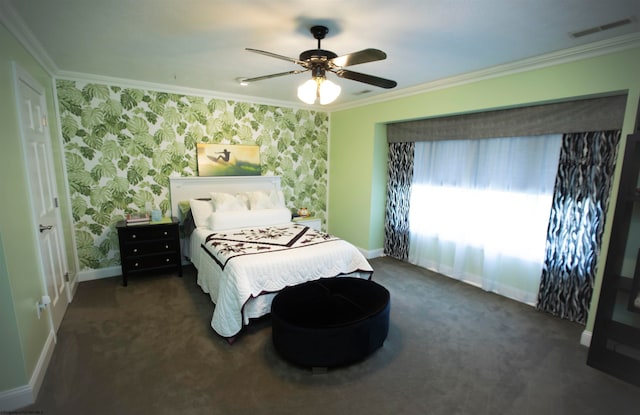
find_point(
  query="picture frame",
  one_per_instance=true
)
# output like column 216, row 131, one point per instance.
column 228, row 160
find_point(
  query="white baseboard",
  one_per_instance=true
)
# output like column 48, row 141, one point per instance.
column 43, row 363
column 96, row 274
column 19, row 397
column 16, row 398
column 375, row 253
column 585, row 338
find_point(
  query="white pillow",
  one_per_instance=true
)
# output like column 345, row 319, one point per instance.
column 263, row 199
column 219, row 221
column 226, row 201
column 201, row 210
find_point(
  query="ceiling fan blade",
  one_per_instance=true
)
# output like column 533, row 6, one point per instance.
column 273, row 55
column 367, row 79
column 361, row 56
column 260, row 78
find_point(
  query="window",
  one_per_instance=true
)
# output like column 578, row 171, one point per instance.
column 479, row 210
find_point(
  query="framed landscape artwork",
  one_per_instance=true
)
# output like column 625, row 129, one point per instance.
column 228, row 160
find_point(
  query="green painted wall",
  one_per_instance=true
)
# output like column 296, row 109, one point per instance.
column 358, row 141
column 122, row 145
column 25, row 333
column 12, row 368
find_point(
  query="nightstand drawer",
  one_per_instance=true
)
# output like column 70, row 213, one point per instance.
column 140, row 233
column 149, row 261
column 150, row 247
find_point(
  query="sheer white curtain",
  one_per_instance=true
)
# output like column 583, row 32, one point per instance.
column 479, row 210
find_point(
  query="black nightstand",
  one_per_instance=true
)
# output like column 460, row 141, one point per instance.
column 149, row 247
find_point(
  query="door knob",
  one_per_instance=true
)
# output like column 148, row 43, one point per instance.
column 45, row 228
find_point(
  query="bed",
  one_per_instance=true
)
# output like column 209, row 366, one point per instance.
column 246, row 249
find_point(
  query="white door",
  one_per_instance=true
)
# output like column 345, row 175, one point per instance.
column 32, row 112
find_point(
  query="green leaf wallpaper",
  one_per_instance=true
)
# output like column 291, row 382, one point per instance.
column 122, row 144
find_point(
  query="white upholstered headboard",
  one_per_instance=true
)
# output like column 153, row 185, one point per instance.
column 185, row 188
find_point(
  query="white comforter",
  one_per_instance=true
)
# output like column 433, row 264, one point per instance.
column 241, row 266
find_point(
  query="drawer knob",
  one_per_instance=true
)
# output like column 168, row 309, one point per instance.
column 167, row 260
column 136, row 264
column 135, row 250
column 166, row 233
column 166, row 247
column 133, row 236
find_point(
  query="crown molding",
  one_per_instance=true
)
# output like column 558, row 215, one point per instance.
column 174, row 89
column 18, row 28
column 590, row 50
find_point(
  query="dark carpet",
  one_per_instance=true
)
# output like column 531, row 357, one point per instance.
column 452, row 349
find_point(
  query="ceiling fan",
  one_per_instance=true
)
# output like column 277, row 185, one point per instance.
column 319, row 62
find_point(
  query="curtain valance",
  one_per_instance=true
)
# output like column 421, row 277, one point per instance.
column 594, row 114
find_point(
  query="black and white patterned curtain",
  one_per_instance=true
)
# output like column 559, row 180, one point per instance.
column 574, row 236
column 396, row 226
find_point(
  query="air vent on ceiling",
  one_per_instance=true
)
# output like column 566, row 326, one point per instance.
column 602, row 28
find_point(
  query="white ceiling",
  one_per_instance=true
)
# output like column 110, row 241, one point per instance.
column 200, row 44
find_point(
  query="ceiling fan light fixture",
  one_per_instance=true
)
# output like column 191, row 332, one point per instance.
column 328, row 92
column 321, row 88
column 308, row 92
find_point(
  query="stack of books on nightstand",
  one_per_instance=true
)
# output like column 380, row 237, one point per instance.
column 137, row 218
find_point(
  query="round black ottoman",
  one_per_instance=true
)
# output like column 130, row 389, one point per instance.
column 330, row 322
